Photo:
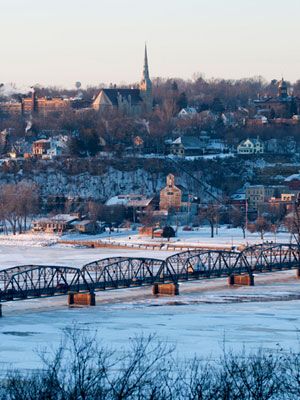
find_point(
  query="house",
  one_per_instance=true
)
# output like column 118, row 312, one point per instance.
column 251, row 146
column 136, row 204
column 229, row 119
column 286, row 201
column 41, row 147
column 85, row 226
column 216, row 146
column 54, row 151
column 153, row 232
column 186, row 146
column 188, row 112
column 238, row 200
column 258, row 120
column 49, row 148
column 57, row 224
column 293, row 182
column 128, row 199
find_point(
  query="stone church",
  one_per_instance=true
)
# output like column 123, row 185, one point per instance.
column 128, row 101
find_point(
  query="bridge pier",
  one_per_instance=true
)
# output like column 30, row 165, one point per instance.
column 243, row 280
column 81, row 299
column 171, row 289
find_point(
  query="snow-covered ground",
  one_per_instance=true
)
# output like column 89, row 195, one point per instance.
column 224, row 236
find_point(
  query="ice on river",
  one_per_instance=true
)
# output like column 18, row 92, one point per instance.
column 199, row 321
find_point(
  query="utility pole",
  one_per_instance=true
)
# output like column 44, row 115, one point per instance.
column 246, row 216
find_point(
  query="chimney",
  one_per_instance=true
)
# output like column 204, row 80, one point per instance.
column 33, row 100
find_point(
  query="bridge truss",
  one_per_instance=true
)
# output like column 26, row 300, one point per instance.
column 33, row 281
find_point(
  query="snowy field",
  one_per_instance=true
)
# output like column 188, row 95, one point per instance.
column 224, row 237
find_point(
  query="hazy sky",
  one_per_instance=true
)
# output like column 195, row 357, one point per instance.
column 58, row 42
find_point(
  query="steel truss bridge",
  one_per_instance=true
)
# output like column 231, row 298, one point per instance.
column 33, row 281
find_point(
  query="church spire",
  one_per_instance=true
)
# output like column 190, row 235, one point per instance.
column 146, row 67
column 146, row 84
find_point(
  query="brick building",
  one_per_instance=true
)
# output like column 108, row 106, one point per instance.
column 41, row 147
column 33, row 104
column 171, row 195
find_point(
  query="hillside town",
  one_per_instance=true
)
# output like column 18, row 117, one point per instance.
column 149, row 200
column 154, row 154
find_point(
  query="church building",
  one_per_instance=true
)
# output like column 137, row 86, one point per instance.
column 284, row 105
column 128, row 101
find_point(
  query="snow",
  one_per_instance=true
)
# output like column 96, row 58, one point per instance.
column 198, row 237
column 210, row 156
column 199, row 321
column 294, row 177
column 225, row 237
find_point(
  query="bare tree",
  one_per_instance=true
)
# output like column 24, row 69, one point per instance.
column 261, row 225
column 83, row 369
column 211, row 215
column 238, row 219
column 17, row 203
column 254, row 376
column 292, row 222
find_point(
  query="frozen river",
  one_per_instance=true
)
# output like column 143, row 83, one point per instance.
column 198, row 323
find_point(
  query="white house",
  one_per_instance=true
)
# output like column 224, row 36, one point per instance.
column 187, row 112
column 251, row 146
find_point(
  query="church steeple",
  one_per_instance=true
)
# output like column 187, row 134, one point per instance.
column 146, row 67
column 146, row 84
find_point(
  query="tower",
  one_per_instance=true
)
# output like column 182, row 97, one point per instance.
column 282, row 88
column 146, row 84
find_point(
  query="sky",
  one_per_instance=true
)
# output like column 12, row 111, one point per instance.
column 59, row 42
